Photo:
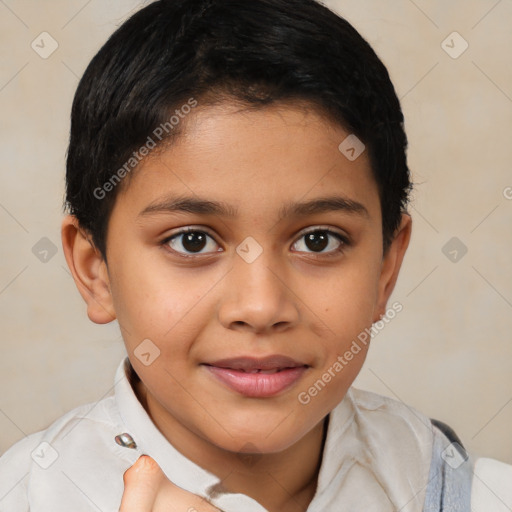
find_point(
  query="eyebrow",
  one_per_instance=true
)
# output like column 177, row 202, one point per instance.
column 200, row 206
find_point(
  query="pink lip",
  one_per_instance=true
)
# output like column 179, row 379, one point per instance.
column 253, row 363
column 235, row 374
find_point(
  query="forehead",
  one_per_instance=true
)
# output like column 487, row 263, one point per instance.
column 253, row 162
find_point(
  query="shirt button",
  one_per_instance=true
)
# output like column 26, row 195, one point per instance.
column 126, row 440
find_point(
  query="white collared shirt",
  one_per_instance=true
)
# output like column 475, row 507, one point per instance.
column 376, row 458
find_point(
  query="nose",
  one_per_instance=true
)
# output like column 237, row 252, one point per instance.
column 258, row 297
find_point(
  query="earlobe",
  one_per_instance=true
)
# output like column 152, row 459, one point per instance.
column 89, row 271
column 391, row 264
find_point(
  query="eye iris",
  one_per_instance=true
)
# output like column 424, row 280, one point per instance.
column 317, row 241
column 194, row 241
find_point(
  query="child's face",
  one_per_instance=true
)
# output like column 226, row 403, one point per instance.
column 300, row 298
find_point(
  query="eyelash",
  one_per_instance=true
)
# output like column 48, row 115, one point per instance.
column 343, row 239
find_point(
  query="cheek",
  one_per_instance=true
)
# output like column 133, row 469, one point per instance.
column 153, row 301
column 347, row 304
column 347, row 300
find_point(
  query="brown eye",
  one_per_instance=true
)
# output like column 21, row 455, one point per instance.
column 190, row 241
column 317, row 241
column 320, row 239
column 194, row 242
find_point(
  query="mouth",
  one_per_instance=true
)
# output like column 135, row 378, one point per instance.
column 257, row 378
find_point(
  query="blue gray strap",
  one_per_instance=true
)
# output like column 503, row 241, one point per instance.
column 451, row 473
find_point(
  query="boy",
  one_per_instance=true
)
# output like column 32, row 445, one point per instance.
column 236, row 188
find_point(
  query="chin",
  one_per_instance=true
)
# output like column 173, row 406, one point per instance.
column 256, row 441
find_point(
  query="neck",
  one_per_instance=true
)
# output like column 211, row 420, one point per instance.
column 280, row 482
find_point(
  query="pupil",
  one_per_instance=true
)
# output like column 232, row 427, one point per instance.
column 317, row 241
column 194, row 241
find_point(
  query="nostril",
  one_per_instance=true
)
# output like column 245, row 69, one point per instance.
column 280, row 325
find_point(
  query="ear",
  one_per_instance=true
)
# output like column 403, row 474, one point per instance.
column 89, row 271
column 391, row 263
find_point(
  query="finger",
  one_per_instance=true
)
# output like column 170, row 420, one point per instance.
column 142, row 482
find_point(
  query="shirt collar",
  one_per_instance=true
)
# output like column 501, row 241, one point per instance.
column 191, row 477
column 178, row 468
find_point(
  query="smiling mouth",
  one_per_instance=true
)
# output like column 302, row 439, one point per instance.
column 273, row 363
column 266, row 372
column 257, row 378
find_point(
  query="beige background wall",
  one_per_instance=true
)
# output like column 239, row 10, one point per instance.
column 448, row 353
